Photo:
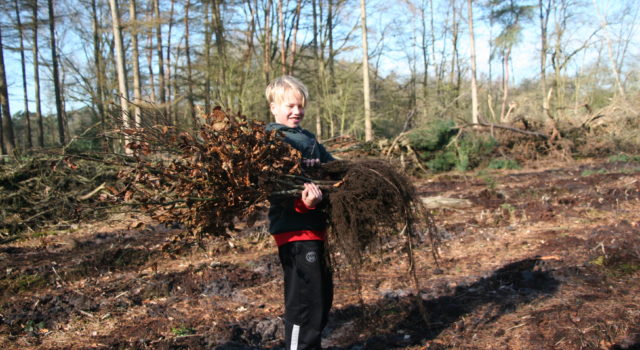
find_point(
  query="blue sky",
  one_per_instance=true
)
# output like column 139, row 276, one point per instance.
column 397, row 22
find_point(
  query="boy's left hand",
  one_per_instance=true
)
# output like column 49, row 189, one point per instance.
column 311, row 162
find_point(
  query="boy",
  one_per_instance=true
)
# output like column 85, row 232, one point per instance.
column 298, row 227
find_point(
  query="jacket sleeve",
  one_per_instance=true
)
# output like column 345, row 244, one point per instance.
column 324, row 155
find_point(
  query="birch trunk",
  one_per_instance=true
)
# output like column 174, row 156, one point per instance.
column 368, row 130
column 122, row 79
column 472, row 48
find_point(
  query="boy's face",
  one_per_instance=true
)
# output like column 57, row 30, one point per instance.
column 289, row 111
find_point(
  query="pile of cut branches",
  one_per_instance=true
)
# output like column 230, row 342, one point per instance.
column 50, row 189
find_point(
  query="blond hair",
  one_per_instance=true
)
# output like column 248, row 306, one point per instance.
column 278, row 87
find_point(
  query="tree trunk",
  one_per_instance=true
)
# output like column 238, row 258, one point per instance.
column 24, row 75
column 161, row 76
column 266, row 50
column 318, row 57
column 455, row 77
column 207, row 59
column 425, row 61
column 99, row 69
column 56, row 74
column 192, row 107
column 283, row 49
column 472, row 49
column 544, row 21
column 614, row 65
column 218, row 27
column 135, row 57
column 171, row 113
column 8, row 141
column 294, row 40
column 36, row 75
column 368, row 130
column 122, row 78
column 505, row 83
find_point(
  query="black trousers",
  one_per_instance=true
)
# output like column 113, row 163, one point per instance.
column 308, row 293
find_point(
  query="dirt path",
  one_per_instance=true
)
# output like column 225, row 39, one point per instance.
column 546, row 258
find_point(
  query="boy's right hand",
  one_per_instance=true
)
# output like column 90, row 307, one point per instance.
column 311, row 195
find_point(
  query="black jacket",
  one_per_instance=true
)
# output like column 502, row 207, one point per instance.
column 282, row 215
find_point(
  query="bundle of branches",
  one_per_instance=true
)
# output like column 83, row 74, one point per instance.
column 370, row 203
column 206, row 180
column 49, row 189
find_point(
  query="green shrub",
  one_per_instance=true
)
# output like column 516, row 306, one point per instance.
column 589, row 172
column 433, row 137
column 473, row 149
column 503, row 163
column 625, row 158
column 443, row 161
column 182, row 331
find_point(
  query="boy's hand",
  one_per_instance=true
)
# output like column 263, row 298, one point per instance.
column 311, row 162
column 311, row 195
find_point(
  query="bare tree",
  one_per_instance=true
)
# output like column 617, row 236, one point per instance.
column 170, row 110
column 24, row 73
column 511, row 16
column 472, row 50
column 187, row 48
column 544, row 8
column 36, row 73
column 122, row 78
column 56, row 74
column 614, row 64
column 8, row 141
column 161, row 74
column 135, row 58
column 368, row 129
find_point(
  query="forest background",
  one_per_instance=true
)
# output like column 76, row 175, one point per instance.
column 553, row 66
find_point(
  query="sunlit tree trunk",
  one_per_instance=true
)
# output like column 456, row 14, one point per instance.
column 171, row 113
column 187, row 48
column 24, row 74
column 36, row 74
column 614, row 65
column 122, row 78
column 283, row 48
column 8, row 141
column 368, row 129
column 544, row 21
column 294, row 40
column 56, row 75
column 472, row 49
column 207, row 59
column 221, row 57
column 266, row 49
column 161, row 76
column 99, row 71
column 318, row 55
column 135, row 58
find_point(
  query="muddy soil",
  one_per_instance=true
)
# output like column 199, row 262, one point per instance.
column 547, row 257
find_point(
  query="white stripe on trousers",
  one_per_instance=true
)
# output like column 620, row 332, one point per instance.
column 295, row 333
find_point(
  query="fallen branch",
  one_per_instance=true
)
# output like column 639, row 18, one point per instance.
column 510, row 128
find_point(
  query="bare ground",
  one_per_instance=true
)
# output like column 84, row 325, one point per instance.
column 546, row 258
